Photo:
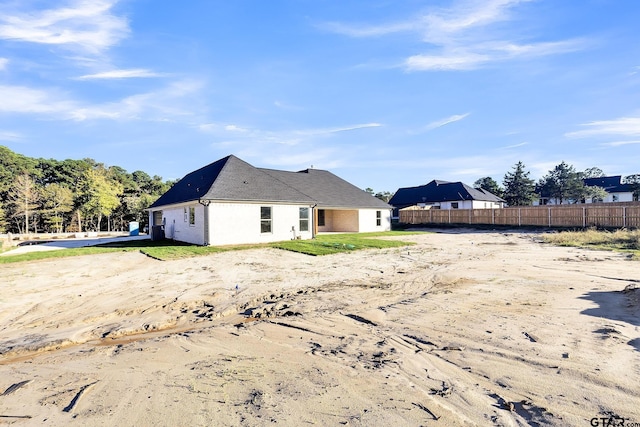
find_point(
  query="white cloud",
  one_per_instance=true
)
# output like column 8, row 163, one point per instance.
column 87, row 25
column 10, row 136
column 619, row 143
column 446, row 121
column 20, row 99
column 167, row 104
column 3, row 63
column 522, row 144
column 627, row 126
column 461, row 38
column 449, row 61
column 120, row 74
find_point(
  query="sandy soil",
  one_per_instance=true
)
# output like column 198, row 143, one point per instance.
column 464, row 328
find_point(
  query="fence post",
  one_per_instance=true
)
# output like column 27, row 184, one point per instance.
column 470, row 211
column 584, row 217
column 549, row 216
column 493, row 216
column 519, row 218
column 624, row 217
column 449, row 216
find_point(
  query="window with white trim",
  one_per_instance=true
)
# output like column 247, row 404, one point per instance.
column 192, row 216
column 378, row 218
column 186, row 215
column 265, row 219
column 304, row 219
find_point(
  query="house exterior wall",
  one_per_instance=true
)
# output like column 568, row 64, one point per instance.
column 239, row 223
column 178, row 227
column 232, row 223
column 611, row 198
column 481, row 204
column 616, row 197
column 368, row 220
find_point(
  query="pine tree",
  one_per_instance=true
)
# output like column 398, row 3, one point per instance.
column 519, row 189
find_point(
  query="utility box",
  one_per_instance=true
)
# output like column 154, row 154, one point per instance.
column 134, row 228
column 157, row 232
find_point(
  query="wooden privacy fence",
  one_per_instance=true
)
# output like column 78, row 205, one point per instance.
column 601, row 215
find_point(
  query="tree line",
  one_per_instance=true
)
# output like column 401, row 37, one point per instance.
column 47, row 195
column 562, row 183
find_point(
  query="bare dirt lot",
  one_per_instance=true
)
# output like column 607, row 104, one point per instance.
column 464, row 328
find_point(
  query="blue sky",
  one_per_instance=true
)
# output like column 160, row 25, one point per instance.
column 385, row 94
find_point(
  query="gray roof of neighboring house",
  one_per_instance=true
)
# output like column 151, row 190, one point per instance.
column 440, row 191
column 232, row 179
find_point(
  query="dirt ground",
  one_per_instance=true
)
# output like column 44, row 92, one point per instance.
column 464, row 328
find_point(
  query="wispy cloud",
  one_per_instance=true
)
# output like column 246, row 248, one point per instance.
column 3, row 63
column 522, row 144
column 10, row 136
column 166, row 104
column 461, row 37
column 86, row 25
column 20, row 99
column 446, row 121
column 619, row 143
column 624, row 126
column 121, row 74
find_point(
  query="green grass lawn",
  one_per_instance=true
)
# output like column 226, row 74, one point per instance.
column 168, row 250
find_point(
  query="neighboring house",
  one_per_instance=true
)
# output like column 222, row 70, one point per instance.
column 616, row 191
column 232, row 202
column 444, row 195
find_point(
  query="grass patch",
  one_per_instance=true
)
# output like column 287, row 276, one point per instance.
column 326, row 244
column 165, row 250
column 618, row 240
column 62, row 253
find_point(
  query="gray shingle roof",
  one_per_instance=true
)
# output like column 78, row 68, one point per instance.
column 440, row 191
column 233, row 179
column 327, row 189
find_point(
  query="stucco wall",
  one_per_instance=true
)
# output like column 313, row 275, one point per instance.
column 178, row 229
column 368, row 220
column 233, row 223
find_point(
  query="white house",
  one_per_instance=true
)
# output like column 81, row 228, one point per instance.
column 232, row 202
column 616, row 192
column 445, row 195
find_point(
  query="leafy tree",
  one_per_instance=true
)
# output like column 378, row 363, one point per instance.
column 100, row 195
column 489, row 184
column 562, row 183
column 3, row 221
column 592, row 173
column 369, row 190
column 519, row 189
column 57, row 200
column 23, row 197
column 385, row 196
column 634, row 182
column 594, row 193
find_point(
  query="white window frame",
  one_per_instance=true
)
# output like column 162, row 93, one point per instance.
column 192, row 216
column 264, row 221
column 304, row 220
